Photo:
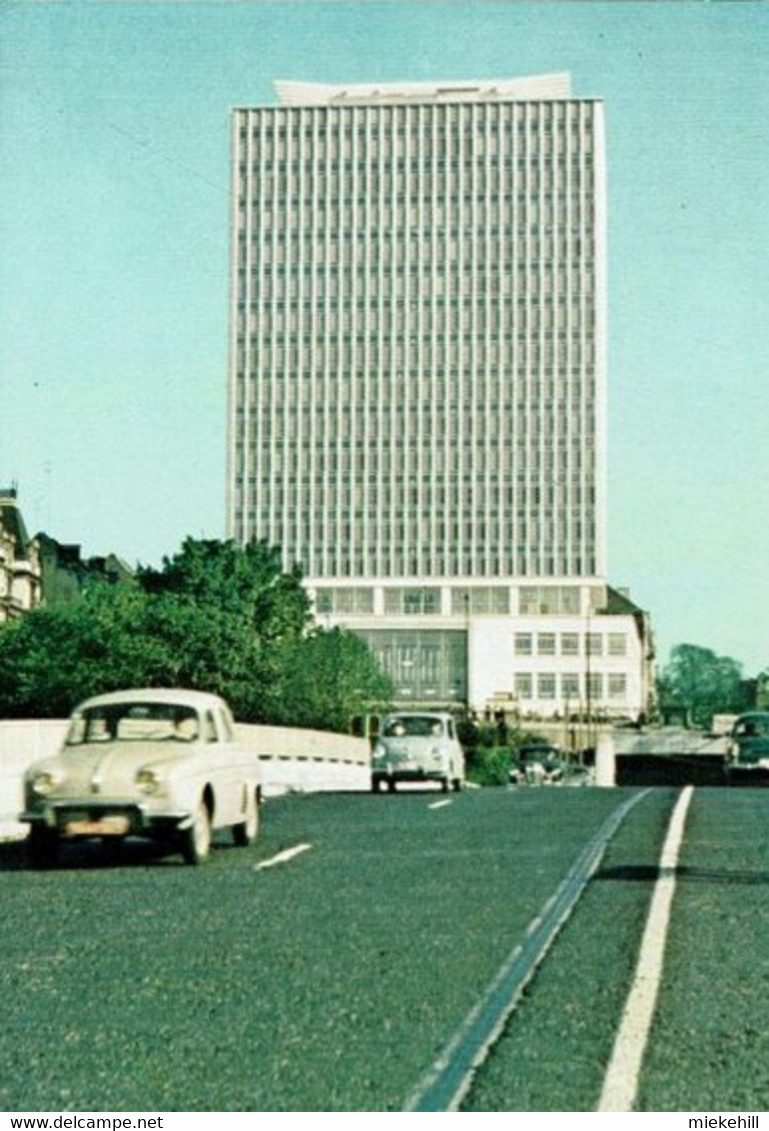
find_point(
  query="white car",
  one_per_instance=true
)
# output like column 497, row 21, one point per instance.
column 416, row 747
column 155, row 763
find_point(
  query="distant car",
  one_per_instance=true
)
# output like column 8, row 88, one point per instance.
column 539, row 763
column 418, row 747
column 155, row 763
column 748, row 749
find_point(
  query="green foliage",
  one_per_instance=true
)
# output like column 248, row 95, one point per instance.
column 700, row 684
column 488, row 765
column 328, row 677
column 215, row 617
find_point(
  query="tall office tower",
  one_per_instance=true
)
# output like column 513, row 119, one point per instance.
column 418, row 336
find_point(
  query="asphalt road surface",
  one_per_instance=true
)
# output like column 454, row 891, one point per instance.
column 326, row 968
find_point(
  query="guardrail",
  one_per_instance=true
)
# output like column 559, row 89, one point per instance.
column 305, row 761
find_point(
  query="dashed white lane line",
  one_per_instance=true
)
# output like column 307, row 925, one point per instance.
column 621, row 1081
column 281, row 857
column 438, row 804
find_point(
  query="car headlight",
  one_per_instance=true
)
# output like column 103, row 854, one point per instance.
column 148, row 781
column 42, row 782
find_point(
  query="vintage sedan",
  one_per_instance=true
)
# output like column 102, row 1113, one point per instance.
column 747, row 756
column 163, row 764
column 418, row 747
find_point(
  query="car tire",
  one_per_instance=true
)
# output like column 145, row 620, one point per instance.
column 457, row 785
column 445, row 782
column 375, row 784
column 196, row 840
column 391, row 785
column 42, row 846
column 246, row 831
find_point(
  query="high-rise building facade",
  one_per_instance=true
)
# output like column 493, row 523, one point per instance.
column 418, row 359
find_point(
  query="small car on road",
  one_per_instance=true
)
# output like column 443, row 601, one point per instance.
column 157, row 763
column 542, row 763
column 747, row 754
column 418, row 747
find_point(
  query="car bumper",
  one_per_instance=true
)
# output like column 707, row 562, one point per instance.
column 410, row 773
column 73, row 818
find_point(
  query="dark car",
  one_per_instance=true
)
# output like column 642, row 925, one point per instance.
column 748, row 750
column 538, row 763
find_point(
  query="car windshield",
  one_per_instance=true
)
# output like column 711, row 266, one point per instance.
column 413, row 726
column 756, row 726
column 133, row 722
column 536, row 753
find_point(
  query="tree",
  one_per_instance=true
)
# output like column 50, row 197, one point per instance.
column 330, row 676
column 215, row 617
column 701, row 684
column 232, row 610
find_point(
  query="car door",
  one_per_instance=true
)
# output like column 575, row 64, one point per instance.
column 218, row 769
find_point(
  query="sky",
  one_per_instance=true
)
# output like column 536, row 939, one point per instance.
column 114, row 259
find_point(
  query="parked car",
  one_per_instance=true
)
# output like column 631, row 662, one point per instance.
column 748, row 749
column 541, row 763
column 418, row 747
column 155, row 763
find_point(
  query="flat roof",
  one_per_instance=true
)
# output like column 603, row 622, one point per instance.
column 297, row 93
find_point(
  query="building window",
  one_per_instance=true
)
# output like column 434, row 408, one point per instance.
column 569, row 644
column 617, row 644
column 523, row 685
column 523, row 644
column 595, row 686
column 543, row 600
column 546, row 686
column 546, row 644
column 324, row 601
column 594, row 644
column 617, row 686
column 482, row 599
column 570, row 687
column 413, row 602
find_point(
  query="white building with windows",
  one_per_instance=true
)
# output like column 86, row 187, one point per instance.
column 418, row 382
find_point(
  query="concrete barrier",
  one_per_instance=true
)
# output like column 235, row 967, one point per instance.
column 662, row 756
column 605, row 760
column 308, row 761
column 305, row 761
column 22, row 742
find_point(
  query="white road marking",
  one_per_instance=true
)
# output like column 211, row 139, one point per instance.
column 438, row 804
column 621, row 1081
column 445, row 1083
column 282, row 857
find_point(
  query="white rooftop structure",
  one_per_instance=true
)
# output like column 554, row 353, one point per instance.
column 556, row 85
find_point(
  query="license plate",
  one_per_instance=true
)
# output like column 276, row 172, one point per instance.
column 115, row 825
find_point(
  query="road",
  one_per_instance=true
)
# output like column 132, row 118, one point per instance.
column 327, row 968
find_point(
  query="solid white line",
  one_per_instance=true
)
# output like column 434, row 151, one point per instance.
column 621, row 1082
column 438, row 804
column 282, row 857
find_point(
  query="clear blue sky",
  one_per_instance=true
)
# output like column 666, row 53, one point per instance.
column 114, row 213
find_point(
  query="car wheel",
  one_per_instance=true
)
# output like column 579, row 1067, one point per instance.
column 445, row 785
column 246, row 831
column 196, row 840
column 391, row 785
column 42, row 846
column 375, row 784
column 457, row 784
